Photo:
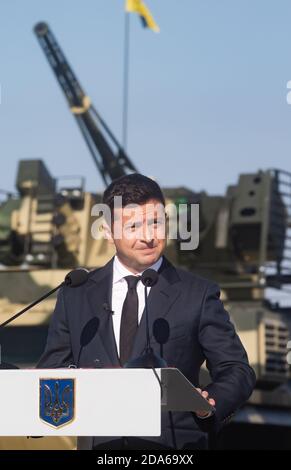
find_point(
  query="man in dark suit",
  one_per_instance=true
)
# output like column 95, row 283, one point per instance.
column 200, row 328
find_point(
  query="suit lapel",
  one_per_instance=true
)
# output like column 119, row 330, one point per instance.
column 99, row 294
column 161, row 298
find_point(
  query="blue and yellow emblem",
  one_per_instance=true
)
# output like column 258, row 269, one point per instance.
column 56, row 401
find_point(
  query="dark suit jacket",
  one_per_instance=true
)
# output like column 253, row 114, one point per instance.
column 199, row 329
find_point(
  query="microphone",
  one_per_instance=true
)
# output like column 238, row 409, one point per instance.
column 149, row 277
column 74, row 278
column 148, row 359
column 77, row 277
column 88, row 333
column 161, row 332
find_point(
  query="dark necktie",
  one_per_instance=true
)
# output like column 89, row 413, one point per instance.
column 129, row 319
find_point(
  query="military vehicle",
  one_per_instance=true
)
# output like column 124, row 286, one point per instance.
column 244, row 246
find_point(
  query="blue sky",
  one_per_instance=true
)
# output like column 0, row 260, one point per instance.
column 207, row 94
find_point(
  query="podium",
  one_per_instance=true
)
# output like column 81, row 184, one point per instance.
column 92, row 402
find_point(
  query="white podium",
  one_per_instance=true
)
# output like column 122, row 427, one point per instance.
column 91, row 402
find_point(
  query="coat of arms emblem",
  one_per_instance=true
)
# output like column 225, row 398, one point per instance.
column 56, row 403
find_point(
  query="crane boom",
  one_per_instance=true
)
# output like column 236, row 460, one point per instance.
column 100, row 140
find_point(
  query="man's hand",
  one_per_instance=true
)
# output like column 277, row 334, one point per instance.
column 211, row 401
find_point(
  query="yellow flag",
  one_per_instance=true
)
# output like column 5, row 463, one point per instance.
column 139, row 7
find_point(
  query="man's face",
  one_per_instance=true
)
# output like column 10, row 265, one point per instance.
column 139, row 234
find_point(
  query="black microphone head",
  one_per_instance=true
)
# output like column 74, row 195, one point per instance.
column 161, row 330
column 89, row 331
column 77, row 277
column 149, row 277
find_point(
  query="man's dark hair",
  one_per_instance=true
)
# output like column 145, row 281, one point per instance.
column 134, row 189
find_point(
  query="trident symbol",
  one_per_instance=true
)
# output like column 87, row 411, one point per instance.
column 58, row 408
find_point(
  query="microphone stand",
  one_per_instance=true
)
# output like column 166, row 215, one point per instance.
column 74, row 278
column 12, row 366
column 30, row 306
column 148, row 360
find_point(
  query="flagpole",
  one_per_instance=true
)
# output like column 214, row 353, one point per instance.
column 125, row 80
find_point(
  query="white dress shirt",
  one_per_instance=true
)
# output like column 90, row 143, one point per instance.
column 119, row 291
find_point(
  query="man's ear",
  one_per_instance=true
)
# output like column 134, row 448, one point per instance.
column 107, row 232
